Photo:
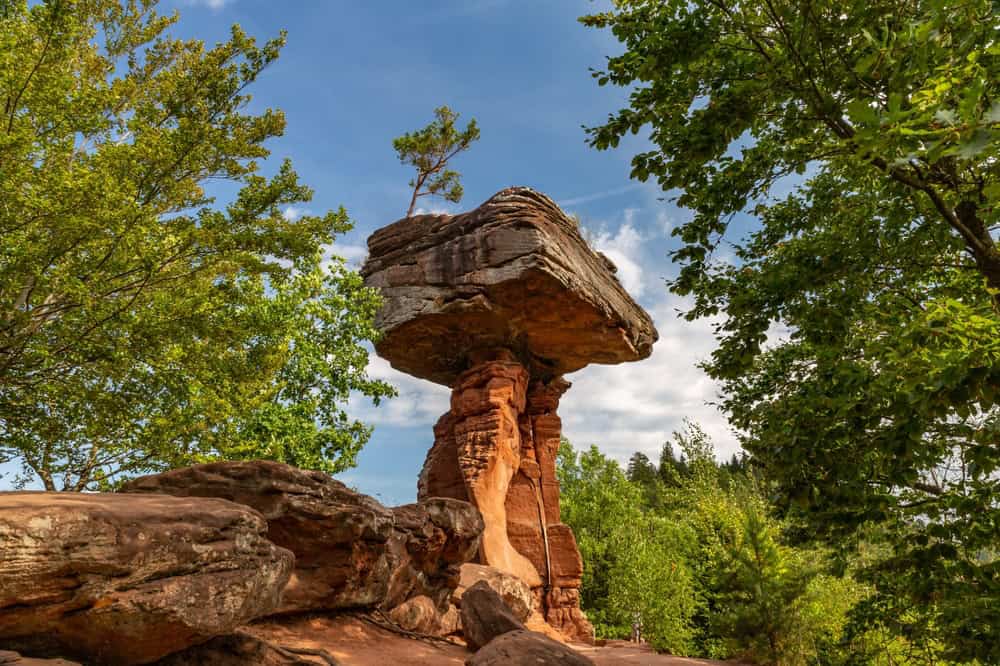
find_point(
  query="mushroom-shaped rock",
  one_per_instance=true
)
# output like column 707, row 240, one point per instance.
column 498, row 303
column 514, row 273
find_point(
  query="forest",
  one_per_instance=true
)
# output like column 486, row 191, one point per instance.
column 841, row 165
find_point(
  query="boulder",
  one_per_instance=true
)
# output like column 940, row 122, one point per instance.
column 527, row 647
column 350, row 551
column 431, row 540
column 339, row 537
column 485, row 616
column 127, row 579
column 514, row 591
column 418, row 614
column 451, row 621
column 513, row 273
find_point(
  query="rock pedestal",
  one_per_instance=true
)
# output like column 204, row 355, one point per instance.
column 498, row 304
column 496, row 448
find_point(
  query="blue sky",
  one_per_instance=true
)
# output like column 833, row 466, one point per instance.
column 355, row 74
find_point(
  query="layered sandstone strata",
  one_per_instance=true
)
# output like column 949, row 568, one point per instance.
column 350, row 551
column 499, row 303
column 126, row 579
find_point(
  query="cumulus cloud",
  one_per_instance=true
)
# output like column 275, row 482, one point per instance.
column 353, row 255
column 636, row 406
column 623, row 248
column 419, row 402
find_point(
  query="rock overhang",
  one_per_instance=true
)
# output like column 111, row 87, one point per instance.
column 512, row 274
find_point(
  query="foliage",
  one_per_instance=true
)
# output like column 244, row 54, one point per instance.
column 141, row 326
column 858, row 335
column 706, row 569
column 429, row 150
column 634, row 567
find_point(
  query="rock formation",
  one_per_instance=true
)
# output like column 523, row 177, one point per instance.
column 498, row 304
column 485, row 616
column 116, row 579
column 350, row 551
column 526, row 647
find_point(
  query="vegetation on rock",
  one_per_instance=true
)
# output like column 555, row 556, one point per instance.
column 429, row 150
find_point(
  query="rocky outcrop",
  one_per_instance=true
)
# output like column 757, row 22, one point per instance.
column 527, row 647
column 339, row 537
column 485, row 616
column 498, row 303
column 514, row 273
column 128, row 579
column 350, row 551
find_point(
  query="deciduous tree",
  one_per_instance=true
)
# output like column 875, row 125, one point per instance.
column 142, row 324
column 864, row 137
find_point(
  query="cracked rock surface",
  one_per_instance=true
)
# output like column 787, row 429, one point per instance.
column 126, row 579
column 514, row 273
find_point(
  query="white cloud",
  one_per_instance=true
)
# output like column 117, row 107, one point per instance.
column 440, row 210
column 419, row 401
column 353, row 255
column 635, row 406
column 623, row 248
column 586, row 198
column 214, row 5
column 665, row 222
column 293, row 213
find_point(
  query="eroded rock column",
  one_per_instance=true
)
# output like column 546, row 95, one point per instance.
column 477, row 451
column 533, row 520
column 497, row 448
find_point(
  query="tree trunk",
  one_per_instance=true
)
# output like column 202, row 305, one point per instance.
column 985, row 252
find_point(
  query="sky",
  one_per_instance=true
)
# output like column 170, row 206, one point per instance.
column 356, row 74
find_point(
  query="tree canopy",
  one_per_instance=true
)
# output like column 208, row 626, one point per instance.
column 142, row 324
column 858, row 339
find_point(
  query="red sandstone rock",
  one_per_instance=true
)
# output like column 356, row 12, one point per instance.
column 514, row 591
column 431, row 540
column 8, row 658
column 350, row 550
column 499, row 303
column 479, row 454
column 480, row 438
column 485, row 616
column 339, row 537
column 418, row 614
column 514, row 273
column 127, row 579
column 527, row 647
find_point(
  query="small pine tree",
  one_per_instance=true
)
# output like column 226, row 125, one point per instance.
column 429, row 150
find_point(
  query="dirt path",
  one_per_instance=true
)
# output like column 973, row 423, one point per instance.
column 355, row 642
